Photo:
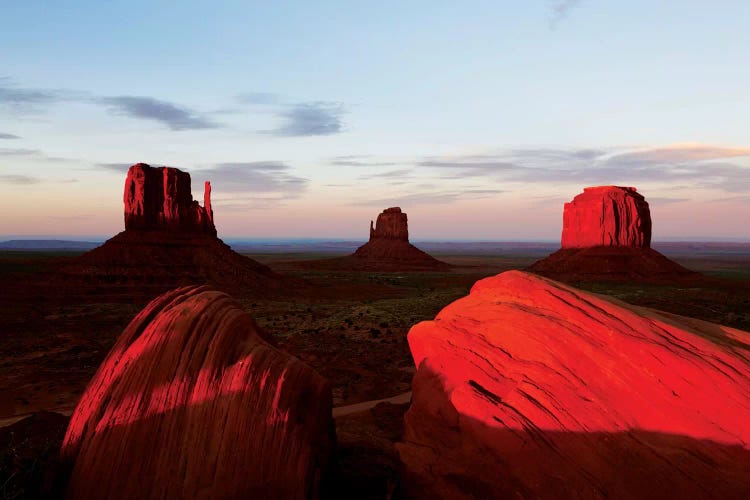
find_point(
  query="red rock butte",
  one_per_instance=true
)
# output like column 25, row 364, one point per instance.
column 161, row 199
column 528, row 388
column 392, row 224
column 193, row 401
column 606, row 236
column 169, row 240
column 388, row 248
column 607, row 216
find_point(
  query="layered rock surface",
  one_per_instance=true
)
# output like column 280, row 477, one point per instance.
column 607, row 216
column 169, row 240
column 193, row 401
column 161, row 198
column 527, row 388
column 606, row 236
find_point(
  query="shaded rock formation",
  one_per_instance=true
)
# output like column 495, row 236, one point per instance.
column 388, row 250
column 160, row 198
column 193, row 401
column 392, row 224
column 527, row 388
column 169, row 240
column 607, row 216
column 606, row 236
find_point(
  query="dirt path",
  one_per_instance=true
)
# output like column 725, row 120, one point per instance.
column 366, row 405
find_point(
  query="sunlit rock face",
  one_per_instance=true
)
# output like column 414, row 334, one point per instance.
column 607, row 216
column 527, row 388
column 606, row 236
column 169, row 241
column 161, row 198
column 193, row 401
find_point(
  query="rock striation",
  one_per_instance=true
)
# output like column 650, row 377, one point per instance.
column 607, row 216
column 169, row 241
column 160, row 198
column 527, row 388
column 606, row 236
column 193, row 401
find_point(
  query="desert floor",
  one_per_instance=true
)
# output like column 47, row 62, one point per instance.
column 354, row 334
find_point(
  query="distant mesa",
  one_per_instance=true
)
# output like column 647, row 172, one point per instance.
column 392, row 224
column 193, row 401
column 388, row 250
column 606, row 236
column 169, row 240
column 528, row 388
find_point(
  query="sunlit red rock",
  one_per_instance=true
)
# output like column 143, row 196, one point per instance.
column 193, row 401
column 169, row 241
column 527, row 388
column 607, row 216
column 606, row 236
column 161, row 198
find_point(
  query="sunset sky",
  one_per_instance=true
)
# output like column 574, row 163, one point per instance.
column 479, row 119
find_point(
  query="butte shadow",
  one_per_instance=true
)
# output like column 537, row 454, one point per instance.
column 194, row 401
column 606, row 236
column 528, row 388
column 169, row 240
column 388, row 250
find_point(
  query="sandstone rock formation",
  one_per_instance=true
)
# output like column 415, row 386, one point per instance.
column 607, row 216
column 606, row 236
column 193, row 401
column 169, row 240
column 160, row 198
column 388, row 249
column 392, row 224
column 527, row 388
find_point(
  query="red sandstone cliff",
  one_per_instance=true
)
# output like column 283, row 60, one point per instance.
column 192, row 401
column 527, row 388
column 169, row 240
column 607, row 216
column 606, row 236
column 161, row 198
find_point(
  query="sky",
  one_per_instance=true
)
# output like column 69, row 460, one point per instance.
column 478, row 118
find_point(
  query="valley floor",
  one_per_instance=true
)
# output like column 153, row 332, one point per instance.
column 351, row 327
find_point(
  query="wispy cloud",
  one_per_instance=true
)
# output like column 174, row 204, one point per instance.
column 18, row 152
column 696, row 165
column 559, row 10
column 20, row 180
column 430, row 198
column 254, row 177
column 391, row 174
column 8, row 136
column 358, row 161
column 119, row 168
column 310, row 119
column 148, row 108
column 679, row 154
